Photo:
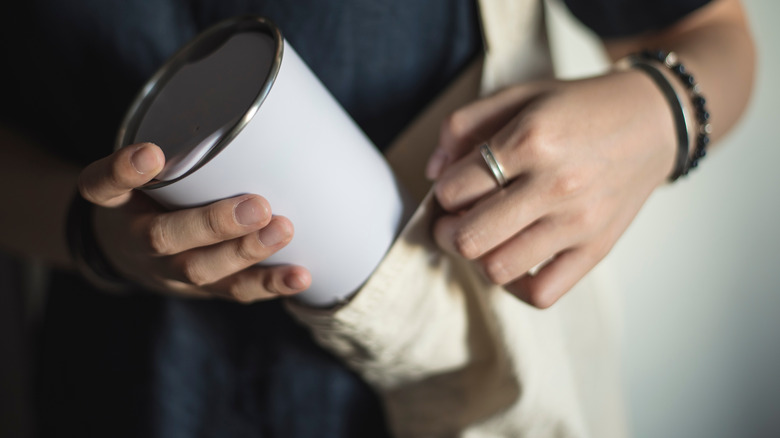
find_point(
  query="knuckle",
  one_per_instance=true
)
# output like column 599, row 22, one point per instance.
column 588, row 220
column 539, row 297
column 247, row 250
column 568, row 183
column 456, row 125
column 194, row 273
column 447, row 194
column 157, row 236
column 591, row 219
column 118, row 175
column 214, row 222
column 465, row 243
column 536, row 144
column 496, row 270
column 270, row 286
column 240, row 293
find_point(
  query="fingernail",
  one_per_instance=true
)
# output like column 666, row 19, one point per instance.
column 435, row 165
column 250, row 211
column 294, row 282
column 144, row 160
column 273, row 234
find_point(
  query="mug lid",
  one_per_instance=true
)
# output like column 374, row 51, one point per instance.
column 204, row 95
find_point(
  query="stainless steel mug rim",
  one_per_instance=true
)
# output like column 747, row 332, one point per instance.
column 212, row 36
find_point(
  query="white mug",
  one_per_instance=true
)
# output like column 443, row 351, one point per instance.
column 237, row 111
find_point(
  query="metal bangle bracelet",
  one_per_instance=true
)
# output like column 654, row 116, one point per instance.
column 675, row 104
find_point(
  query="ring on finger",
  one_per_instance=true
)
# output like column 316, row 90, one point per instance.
column 493, row 164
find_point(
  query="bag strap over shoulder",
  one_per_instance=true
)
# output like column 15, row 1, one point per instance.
column 410, row 151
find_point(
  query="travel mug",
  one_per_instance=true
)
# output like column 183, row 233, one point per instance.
column 237, row 111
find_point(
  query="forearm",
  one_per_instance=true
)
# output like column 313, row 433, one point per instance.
column 37, row 189
column 715, row 46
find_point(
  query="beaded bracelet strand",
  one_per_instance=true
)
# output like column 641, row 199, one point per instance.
column 671, row 61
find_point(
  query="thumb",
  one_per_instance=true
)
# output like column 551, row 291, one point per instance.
column 109, row 181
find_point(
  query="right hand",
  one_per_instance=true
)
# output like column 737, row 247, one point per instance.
column 208, row 251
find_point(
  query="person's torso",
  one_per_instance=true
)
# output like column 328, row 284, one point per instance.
column 383, row 61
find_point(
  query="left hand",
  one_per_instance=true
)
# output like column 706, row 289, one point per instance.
column 581, row 158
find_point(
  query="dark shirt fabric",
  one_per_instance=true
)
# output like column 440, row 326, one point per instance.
column 617, row 18
column 146, row 365
column 152, row 366
column 83, row 61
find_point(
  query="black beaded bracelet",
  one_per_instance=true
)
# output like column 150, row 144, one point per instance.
column 670, row 60
column 87, row 255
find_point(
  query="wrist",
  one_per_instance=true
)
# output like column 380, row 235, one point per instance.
column 650, row 123
column 684, row 100
column 694, row 103
column 87, row 256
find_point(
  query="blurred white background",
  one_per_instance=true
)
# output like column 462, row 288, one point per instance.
column 700, row 271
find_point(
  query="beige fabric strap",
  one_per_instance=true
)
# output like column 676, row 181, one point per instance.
column 409, row 153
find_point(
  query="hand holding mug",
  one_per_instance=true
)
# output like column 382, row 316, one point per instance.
column 207, row 251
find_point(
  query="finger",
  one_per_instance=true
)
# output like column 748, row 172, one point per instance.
column 206, row 265
column 262, row 283
column 463, row 183
column 555, row 278
column 110, row 180
column 523, row 252
column 471, row 125
column 177, row 231
column 491, row 221
column 521, row 148
column 470, row 178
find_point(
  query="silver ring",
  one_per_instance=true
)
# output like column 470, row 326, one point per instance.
column 493, row 165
